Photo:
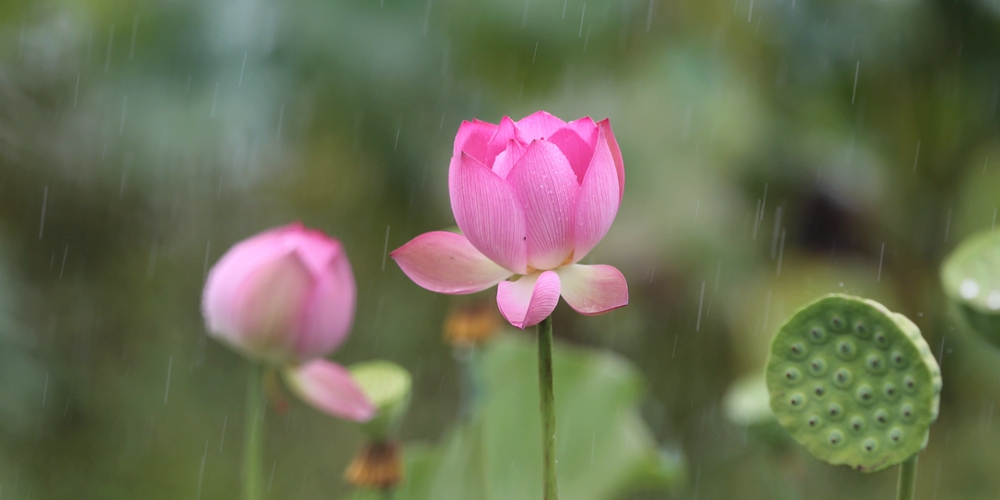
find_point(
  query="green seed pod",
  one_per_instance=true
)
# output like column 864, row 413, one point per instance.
column 866, row 394
column 971, row 279
column 747, row 404
column 387, row 386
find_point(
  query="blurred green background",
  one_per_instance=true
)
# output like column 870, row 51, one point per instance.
column 775, row 150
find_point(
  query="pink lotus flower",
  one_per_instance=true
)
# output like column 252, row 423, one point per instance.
column 532, row 198
column 286, row 297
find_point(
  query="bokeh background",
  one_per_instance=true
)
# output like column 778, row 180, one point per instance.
column 775, row 150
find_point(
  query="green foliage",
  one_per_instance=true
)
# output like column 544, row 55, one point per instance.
column 854, row 383
column 604, row 449
column 150, row 136
column 971, row 279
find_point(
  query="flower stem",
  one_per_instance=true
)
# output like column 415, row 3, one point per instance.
column 548, row 408
column 907, row 479
column 253, row 434
column 468, row 388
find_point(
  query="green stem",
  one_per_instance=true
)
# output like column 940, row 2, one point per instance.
column 253, row 434
column 907, row 479
column 468, row 390
column 548, row 408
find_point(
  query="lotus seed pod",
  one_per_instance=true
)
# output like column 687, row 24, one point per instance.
column 387, row 386
column 866, row 394
column 747, row 402
column 971, row 279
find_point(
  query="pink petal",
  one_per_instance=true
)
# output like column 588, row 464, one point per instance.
column 231, row 273
column 488, row 212
column 473, row 138
column 600, row 196
column 329, row 387
column 329, row 310
column 504, row 134
column 538, row 125
column 315, row 248
column 576, row 150
column 446, row 262
column 548, row 189
column 586, row 129
column 616, row 154
column 593, row 289
column 265, row 310
column 285, row 295
column 529, row 300
column 246, row 257
column 506, row 160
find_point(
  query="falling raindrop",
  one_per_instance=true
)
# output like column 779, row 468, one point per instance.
column 385, row 247
column 222, row 439
column 45, row 200
column 242, row 69
column 201, row 470
column 947, row 226
column 701, row 301
column 781, row 251
column 135, row 29
column 107, row 53
column 881, row 255
column 854, row 92
column 166, row 392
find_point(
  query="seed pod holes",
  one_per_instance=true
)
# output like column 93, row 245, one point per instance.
column 865, row 383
